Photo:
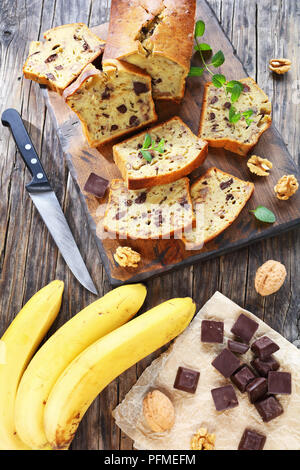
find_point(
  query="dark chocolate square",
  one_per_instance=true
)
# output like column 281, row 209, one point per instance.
column 280, row 382
column 224, row 397
column 257, row 389
column 212, row 331
column 226, row 363
column 252, row 440
column 237, row 347
column 96, row 185
column 264, row 367
column 263, row 347
column 269, row 408
column 186, row 380
column 242, row 378
column 244, row 328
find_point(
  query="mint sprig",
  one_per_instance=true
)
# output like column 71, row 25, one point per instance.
column 263, row 214
column 150, row 144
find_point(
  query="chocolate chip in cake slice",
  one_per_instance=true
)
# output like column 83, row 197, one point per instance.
column 140, row 87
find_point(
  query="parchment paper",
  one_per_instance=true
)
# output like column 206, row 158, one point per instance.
column 194, row 411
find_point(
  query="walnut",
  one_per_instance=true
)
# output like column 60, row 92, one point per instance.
column 158, row 411
column 286, row 186
column 202, row 440
column 280, row 66
column 269, row 277
column 126, row 257
column 259, row 166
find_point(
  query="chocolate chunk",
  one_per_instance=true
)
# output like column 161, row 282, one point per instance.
column 59, row 67
column 214, row 100
column 226, row 363
column 51, row 58
column 227, row 105
column 212, row 116
column 242, row 378
column 269, row 408
column 212, row 331
column 246, row 88
column 256, row 389
column 263, row 347
column 264, row 367
column 252, row 440
column 229, row 196
column 224, row 397
column 133, row 121
column 244, row 328
column 156, row 81
column 122, row 108
column 226, row 184
column 237, row 347
column 106, row 94
column 85, row 46
column 96, row 185
column 129, row 202
column 140, row 87
column 114, row 127
column 119, row 215
column 186, row 380
column 141, row 198
column 50, row 76
column 280, row 382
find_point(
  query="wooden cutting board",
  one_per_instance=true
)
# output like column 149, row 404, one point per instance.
column 159, row 256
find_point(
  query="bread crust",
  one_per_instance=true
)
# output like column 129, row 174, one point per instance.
column 211, row 237
column 231, row 144
column 173, row 38
column 46, row 81
column 91, row 71
column 171, row 234
column 149, row 181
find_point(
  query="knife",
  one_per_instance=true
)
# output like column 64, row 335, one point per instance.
column 45, row 200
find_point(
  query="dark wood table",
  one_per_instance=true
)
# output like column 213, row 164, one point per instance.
column 259, row 30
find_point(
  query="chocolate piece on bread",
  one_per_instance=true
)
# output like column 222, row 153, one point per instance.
column 157, row 36
column 241, row 136
column 183, row 153
column 112, row 102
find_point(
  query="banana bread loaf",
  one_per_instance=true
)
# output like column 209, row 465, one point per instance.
column 182, row 153
column 240, row 137
column 156, row 35
column 159, row 212
column 217, row 198
column 58, row 60
column 112, row 102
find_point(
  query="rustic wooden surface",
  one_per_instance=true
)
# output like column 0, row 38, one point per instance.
column 259, row 30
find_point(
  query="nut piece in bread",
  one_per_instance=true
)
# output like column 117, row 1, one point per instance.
column 59, row 59
column 157, row 36
column 158, row 411
column 269, row 277
column 183, row 153
column 112, row 102
column 240, row 137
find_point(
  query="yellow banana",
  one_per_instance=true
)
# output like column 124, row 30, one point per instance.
column 101, row 317
column 104, row 360
column 19, row 342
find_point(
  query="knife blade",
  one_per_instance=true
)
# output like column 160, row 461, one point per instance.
column 46, row 201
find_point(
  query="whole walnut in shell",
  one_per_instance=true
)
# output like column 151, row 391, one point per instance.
column 269, row 277
column 158, row 411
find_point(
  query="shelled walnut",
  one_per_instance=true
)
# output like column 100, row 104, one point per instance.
column 269, row 277
column 126, row 257
column 202, row 440
column 259, row 166
column 158, row 411
column 286, row 187
column 280, row 66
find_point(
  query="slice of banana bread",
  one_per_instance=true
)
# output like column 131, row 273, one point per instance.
column 112, row 102
column 159, row 212
column 58, row 60
column 182, row 153
column 240, row 137
column 218, row 198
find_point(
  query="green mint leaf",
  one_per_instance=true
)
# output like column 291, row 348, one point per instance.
column 218, row 59
column 199, row 28
column 147, row 155
column 264, row 215
column 235, row 88
column 202, row 47
column 161, row 146
column 196, row 72
column 147, row 141
column 234, row 117
column 218, row 80
column 247, row 115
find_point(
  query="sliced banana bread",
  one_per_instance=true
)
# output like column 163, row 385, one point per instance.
column 181, row 153
column 218, row 198
column 159, row 212
column 241, row 136
column 112, row 102
column 58, row 60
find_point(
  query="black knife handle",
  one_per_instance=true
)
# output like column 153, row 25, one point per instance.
column 39, row 183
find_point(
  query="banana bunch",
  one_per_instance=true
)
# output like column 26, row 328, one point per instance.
column 19, row 343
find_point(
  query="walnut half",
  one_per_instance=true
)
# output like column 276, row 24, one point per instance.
column 259, row 166
column 126, row 257
column 280, row 66
column 269, row 277
column 158, row 411
column 202, row 440
column 286, row 187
